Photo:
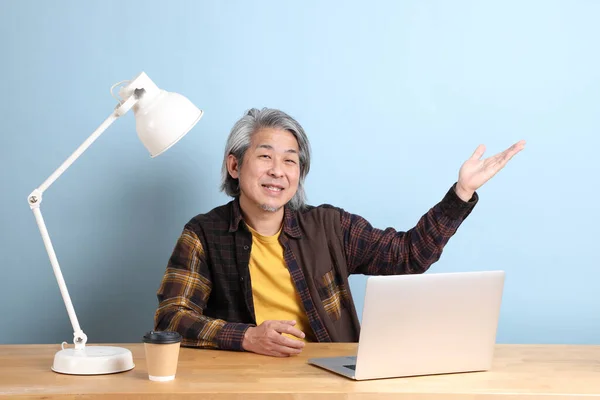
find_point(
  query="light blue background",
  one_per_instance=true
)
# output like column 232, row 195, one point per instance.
column 394, row 96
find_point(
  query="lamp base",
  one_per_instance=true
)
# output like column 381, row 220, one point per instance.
column 93, row 360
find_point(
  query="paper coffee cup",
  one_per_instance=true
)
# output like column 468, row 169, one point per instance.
column 162, row 354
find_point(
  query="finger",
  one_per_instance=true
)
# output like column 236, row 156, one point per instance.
column 286, row 351
column 289, row 330
column 506, row 156
column 495, row 163
column 289, row 342
column 478, row 152
column 515, row 149
column 290, row 322
column 277, row 354
column 275, row 323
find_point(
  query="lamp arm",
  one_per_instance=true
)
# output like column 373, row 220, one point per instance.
column 35, row 199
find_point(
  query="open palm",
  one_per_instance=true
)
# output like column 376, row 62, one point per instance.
column 477, row 171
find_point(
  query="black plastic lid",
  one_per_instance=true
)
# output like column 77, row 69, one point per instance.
column 162, row 337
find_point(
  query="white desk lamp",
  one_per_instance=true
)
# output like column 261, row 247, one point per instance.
column 162, row 118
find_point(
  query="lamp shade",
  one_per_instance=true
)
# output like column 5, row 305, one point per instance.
column 164, row 121
column 161, row 118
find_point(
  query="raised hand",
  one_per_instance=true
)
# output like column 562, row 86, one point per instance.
column 477, row 171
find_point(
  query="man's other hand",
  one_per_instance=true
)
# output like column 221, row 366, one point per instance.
column 267, row 339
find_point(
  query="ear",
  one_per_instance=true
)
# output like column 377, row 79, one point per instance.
column 233, row 166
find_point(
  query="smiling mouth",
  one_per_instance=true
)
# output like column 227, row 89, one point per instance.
column 274, row 189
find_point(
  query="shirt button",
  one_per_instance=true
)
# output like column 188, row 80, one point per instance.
column 246, row 247
column 241, row 279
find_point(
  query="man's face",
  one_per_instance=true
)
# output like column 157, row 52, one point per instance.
column 270, row 171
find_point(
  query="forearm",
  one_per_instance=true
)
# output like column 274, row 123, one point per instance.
column 199, row 330
column 389, row 252
column 183, row 295
column 410, row 252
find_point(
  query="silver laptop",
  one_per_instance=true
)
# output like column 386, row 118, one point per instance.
column 424, row 324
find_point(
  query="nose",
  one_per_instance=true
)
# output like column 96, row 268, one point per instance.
column 276, row 170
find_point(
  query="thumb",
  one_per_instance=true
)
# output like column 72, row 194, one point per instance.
column 478, row 152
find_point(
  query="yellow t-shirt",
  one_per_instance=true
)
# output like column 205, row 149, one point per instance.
column 274, row 293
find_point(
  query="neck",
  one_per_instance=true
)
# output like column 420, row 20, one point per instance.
column 267, row 223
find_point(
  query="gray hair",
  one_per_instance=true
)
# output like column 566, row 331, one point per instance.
column 239, row 140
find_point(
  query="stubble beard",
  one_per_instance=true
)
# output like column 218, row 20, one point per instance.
column 268, row 208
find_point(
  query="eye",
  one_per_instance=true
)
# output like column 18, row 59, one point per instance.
column 265, row 156
column 291, row 161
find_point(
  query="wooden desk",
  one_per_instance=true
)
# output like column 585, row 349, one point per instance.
column 520, row 371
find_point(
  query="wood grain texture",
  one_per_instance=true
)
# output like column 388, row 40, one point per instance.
column 519, row 371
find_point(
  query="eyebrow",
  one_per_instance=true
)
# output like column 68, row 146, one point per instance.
column 269, row 147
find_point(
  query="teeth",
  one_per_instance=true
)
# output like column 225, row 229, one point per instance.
column 273, row 188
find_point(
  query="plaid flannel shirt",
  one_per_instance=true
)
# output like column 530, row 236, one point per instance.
column 206, row 295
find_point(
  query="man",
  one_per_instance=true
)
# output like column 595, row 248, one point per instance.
column 265, row 273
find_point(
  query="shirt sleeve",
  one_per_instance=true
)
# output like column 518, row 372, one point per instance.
column 372, row 251
column 183, row 295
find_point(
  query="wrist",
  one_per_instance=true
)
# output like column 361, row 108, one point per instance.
column 247, row 341
column 464, row 194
